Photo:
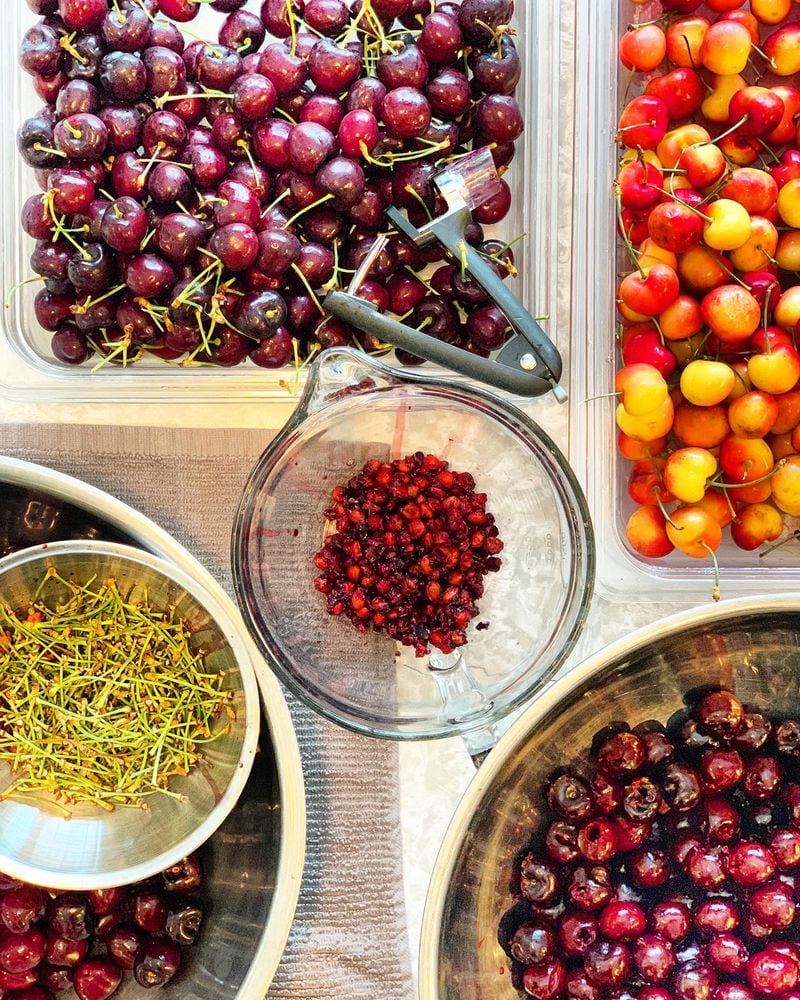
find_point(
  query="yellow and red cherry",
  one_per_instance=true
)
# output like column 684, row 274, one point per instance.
column 651, row 253
column 687, row 472
column 786, row 486
column 726, row 48
column 744, row 460
column 781, row 445
column 758, row 110
column 671, row 147
column 788, row 167
column 681, row 320
column 788, row 411
column 775, row 371
column 643, row 48
column 674, row 226
column 764, row 287
column 740, row 150
column 643, row 123
column 788, row 202
column 684, row 39
column 770, row 11
column 719, row 505
column 702, row 269
column 754, row 189
column 782, row 49
column 646, row 347
column 732, row 313
column 755, row 525
column 759, row 249
column 646, row 482
column 746, row 18
column 706, row 383
column 742, row 383
column 766, row 338
column 637, row 450
column 785, row 130
column 716, row 104
column 728, row 225
column 681, row 90
column 649, row 292
column 704, row 164
column 700, row 426
column 642, row 388
column 787, row 252
column 649, row 426
column 646, row 533
column 753, row 415
column 787, row 308
column 639, row 185
column 694, row 531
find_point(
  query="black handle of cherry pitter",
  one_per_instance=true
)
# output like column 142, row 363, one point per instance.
column 364, row 316
column 449, row 230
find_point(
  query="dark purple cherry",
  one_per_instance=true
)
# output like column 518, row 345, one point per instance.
column 124, row 225
column 149, row 276
column 126, row 31
column 327, row 17
column 333, row 68
column 274, row 352
column 39, row 51
column 91, row 268
column 242, row 32
column 498, row 68
column 124, row 125
column 166, row 71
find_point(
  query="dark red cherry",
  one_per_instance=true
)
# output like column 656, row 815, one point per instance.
column 773, row 906
column 751, row 863
column 694, row 980
column 62, row 952
column 544, row 981
column 720, row 713
column 671, row 919
column 538, row 880
column 590, row 887
column 533, row 943
column 653, row 957
column 622, row 920
column 621, row 755
column 772, row 973
column 721, row 769
column 716, row 915
column 156, row 963
column 577, row 932
column 607, row 963
column 650, row 867
column 785, row 846
column 69, row 915
column 569, row 797
column 762, row 777
column 97, row 978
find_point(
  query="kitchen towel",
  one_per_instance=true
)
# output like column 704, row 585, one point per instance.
column 349, row 940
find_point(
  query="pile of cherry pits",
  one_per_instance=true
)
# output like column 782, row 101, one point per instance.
column 200, row 197
column 708, row 194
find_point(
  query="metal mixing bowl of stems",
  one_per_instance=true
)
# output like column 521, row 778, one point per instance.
column 750, row 645
column 254, row 862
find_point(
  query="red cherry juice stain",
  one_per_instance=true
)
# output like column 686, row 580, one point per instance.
column 502, row 970
column 268, row 533
column 295, row 532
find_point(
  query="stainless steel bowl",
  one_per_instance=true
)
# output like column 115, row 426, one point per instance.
column 751, row 645
column 91, row 847
column 254, row 862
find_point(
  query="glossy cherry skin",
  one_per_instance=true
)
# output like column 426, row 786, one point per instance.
column 97, row 979
column 156, row 963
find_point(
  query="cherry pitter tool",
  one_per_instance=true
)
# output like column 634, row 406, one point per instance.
column 529, row 364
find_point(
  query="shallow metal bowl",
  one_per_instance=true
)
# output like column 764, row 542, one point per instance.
column 750, row 645
column 91, row 847
column 254, row 862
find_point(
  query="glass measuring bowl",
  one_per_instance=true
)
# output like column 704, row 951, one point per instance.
column 355, row 409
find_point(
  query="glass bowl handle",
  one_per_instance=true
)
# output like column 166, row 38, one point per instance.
column 342, row 372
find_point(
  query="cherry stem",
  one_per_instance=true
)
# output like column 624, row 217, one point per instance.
column 298, row 271
column 292, row 25
column 40, row 148
column 308, row 208
column 733, row 128
column 15, row 288
column 664, row 510
column 721, row 484
column 716, row 592
column 794, row 537
column 625, row 235
column 68, row 47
